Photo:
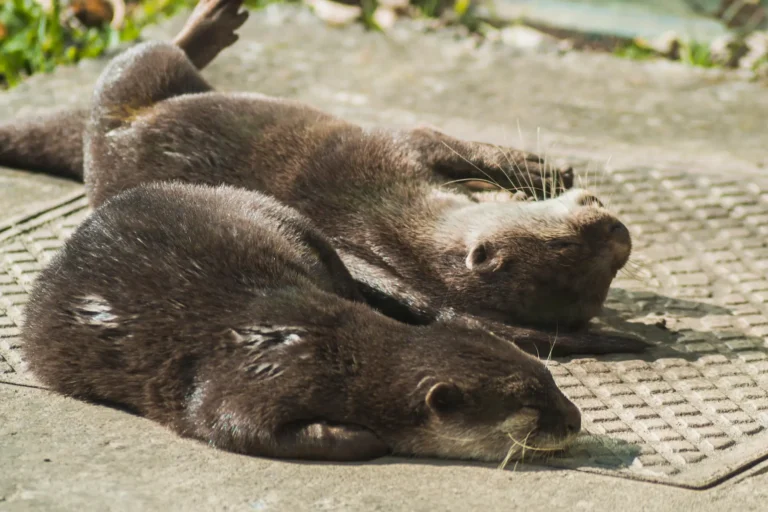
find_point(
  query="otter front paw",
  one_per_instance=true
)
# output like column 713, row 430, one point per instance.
column 326, row 441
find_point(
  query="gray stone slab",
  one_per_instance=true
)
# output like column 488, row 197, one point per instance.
column 25, row 192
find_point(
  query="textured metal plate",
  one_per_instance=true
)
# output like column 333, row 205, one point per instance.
column 691, row 412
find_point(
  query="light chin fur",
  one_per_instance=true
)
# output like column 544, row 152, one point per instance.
column 490, row 443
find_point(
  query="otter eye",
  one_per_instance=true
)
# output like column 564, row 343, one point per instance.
column 480, row 255
column 444, row 397
column 558, row 245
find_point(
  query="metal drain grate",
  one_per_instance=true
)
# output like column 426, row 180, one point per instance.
column 691, row 412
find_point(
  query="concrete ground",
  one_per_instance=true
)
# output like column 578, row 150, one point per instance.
column 60, row 454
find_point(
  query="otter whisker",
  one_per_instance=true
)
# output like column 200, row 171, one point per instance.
column 636, row 271
column 538, row 151
column 509, row 455
column 525, row 161
column 547, row 449
column 474, row 179
column 513, row 448
column 605, row 166
column 511, row 162
column 470, row 163
column 514, row 165
column 504, row 172
column 599, row 178
column 465, row 440
column 522, row 453
column 559, row 180
column 551, row 348
column 639, row 266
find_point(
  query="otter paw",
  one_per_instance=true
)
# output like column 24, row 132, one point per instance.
column 210, row 29
column 348, row 442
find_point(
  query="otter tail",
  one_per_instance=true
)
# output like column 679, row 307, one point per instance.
column 49, row 143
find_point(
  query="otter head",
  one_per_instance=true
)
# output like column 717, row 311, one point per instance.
column 541, row 263
column 487, row 400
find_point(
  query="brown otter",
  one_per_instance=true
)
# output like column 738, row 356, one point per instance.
column 226, row 316
column 423, row 251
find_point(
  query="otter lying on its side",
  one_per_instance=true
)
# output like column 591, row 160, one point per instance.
column 226, row 316
column 424, row 252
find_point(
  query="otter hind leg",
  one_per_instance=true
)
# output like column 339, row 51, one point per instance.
column 210, row 29
column 488, row 165
column 152, row 72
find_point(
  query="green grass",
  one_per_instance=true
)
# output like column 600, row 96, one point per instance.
column 696, row 54
column 33, row 41
column 635, row 51
column 689, row 52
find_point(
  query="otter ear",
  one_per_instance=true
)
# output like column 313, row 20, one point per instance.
column 480, row 255
column 444, row 397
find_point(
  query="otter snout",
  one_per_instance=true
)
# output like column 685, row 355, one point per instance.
column 599, row 227
column 620, row 242
column 572, row 417
column 561, row 421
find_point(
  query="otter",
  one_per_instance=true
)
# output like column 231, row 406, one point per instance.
column 422, row 248
column 226, row 316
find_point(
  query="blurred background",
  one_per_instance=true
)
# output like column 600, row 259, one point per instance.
column 38, row 35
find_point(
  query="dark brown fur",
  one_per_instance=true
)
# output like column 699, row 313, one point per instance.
column 226, row 316
column 423, row 251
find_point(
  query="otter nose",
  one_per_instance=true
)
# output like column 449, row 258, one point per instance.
column 572, row 420
column 618, row 229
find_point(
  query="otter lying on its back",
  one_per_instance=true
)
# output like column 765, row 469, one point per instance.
column 423, row 250
column 229, row 318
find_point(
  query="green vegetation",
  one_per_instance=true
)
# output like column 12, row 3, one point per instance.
column 692, row 53
column 696, row 54
column 34, row 40
column 636, row 51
